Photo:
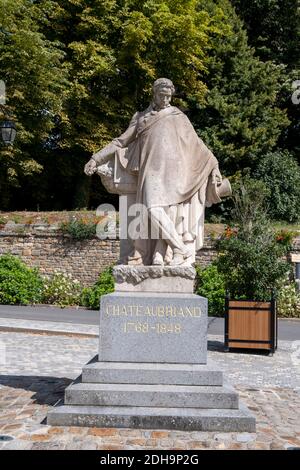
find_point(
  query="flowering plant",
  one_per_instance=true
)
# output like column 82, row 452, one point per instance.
column 61, row 289
column 288, row 301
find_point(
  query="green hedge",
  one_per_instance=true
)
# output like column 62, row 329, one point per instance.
column 90, row 296
column 18, row 283
column 211, row 284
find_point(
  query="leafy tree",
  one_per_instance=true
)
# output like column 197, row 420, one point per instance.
column 95, row 62
column 35, row 81
column 273, row 27
column 240, row 120
column 281, row 174
column 114, row 49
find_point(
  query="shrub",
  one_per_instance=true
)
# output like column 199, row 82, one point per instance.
column 281, row 175
column 251, row 257
column 18, row 283
column 211, row 284
column 286, row 237
column 62, row 290
column 288, row 301
column 79, row 229
column 90, row 296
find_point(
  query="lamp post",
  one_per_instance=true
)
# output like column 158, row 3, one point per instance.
column 8, row 132
column 7, row 127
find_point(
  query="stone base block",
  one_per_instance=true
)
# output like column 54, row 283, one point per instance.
column 144, row 373
column 164, row 396
column 167, row 279
column 185, row 419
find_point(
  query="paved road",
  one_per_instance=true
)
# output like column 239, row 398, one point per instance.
column 288, row 330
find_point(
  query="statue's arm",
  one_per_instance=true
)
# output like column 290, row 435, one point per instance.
column 103, row 155
column 215, row 173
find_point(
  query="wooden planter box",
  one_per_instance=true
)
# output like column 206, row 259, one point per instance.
column 250, row 325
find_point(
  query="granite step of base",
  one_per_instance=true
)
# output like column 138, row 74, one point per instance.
column 187, row 419
column 147, row 373
column 151, row 395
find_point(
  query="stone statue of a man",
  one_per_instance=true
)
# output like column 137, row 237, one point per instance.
column 176, row 176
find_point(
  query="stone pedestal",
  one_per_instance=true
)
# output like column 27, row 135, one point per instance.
column 153, row 328
column 152, row 370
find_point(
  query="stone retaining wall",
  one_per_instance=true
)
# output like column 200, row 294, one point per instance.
column 50, row 252
column 48, row 249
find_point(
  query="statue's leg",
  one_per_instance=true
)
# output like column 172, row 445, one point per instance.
column 163, row 223
column 144, row 245
column 159, row 252
column 126, row 243
column 177, row 255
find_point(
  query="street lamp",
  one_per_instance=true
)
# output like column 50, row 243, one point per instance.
column 8, row 132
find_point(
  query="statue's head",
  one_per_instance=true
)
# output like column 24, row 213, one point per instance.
column 163, row 90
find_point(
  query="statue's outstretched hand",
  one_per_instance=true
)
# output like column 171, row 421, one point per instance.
column 90, row 167
column 216, row 176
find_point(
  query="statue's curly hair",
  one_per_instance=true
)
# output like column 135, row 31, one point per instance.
column 163, row 83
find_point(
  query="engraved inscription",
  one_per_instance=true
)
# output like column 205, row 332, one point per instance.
column 159, row 311
column 160, row 328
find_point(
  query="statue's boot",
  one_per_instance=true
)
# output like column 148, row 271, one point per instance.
column 158, row 260
column 180, row 259
column 135, row 259
column 159, row 253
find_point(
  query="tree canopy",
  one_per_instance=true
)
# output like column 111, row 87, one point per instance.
column 76, row 71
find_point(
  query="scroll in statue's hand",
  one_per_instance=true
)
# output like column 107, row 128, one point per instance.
column 90, row 167
column 216, row 176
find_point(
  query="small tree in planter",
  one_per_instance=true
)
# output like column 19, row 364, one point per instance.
column 252, row 259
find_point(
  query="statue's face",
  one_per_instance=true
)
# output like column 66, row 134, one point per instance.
column 162, row 98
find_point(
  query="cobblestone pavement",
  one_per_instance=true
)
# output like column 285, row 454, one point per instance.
column 36, row 368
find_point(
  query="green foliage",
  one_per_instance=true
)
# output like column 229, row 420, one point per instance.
column 115, row 50
column 286, row 238
column 276, row 37
column 18, row 283
column 276, row 34
column 60, row 289
column 112, row 51
column 250, row 256
column 35, row 78
column 288, row 301
column 241, row 119
column 281, row 174
column 76, row 71
column 211, row 284
column 90, row 296
column 79, row 229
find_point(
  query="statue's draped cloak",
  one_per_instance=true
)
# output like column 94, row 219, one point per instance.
column 172, row 165
column 171, row 160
